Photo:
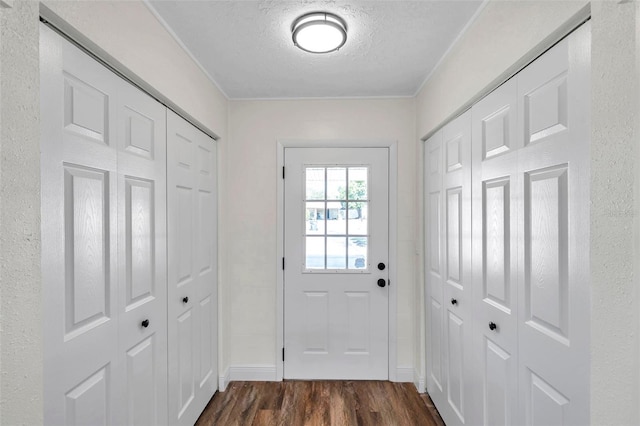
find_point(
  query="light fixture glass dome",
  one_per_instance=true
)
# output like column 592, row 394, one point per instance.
column 319, row 32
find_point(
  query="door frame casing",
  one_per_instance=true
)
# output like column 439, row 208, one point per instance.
column 392, row 145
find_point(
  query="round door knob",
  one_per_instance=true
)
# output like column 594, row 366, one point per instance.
column 145, row 323
column 454, row 301
column 382, row 282
column 185, row 299
column 492, row 326
column 381, row 266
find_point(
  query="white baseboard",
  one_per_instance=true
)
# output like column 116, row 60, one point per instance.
column 404, row 374
column 419, row 381
column 252, row 373
column 267, row 373
column 223, row 381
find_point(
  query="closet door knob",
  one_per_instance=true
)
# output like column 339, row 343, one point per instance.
column 185, row 299
column 492, row 326
column 454, row 301
column 145, row 323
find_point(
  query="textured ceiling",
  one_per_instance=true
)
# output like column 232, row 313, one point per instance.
column 246, row 46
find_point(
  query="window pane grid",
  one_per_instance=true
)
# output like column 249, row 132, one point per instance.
column 336, row 218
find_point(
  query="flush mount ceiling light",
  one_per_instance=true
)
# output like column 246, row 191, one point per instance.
column 319, row 32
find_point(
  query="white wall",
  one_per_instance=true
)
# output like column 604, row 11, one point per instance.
column 20, row 295
column 254, row 128
column 615, row 168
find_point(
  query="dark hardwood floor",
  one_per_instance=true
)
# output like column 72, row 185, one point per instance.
column 294, row 403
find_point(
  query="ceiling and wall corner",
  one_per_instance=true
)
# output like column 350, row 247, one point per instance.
column 246, row 46
column 183, row 46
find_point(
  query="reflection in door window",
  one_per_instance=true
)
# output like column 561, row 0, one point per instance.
column 336, row 218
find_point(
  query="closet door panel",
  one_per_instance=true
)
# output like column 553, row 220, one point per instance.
column 495, row 195
column 433, row 160
column 497, row 401
column 141, row 151
column 456, row 374
column 553, row 95
column 183, row 274
column 143, row 383
column 435, row 358
column 104, row 249
column 457, row 288
column 79, row 240
column 207, row 269
column 192, row 270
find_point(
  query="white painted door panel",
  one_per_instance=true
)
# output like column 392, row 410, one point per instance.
column 336, row 315
column 103, row 247
column 553, row 304
column 448, row 269
column 79, row 238
column 530, row 239
column 456, row 283
column 142, row 255
column 433, row 291
column 495, row 249
column 192, row 269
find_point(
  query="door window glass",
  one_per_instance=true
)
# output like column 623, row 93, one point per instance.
column 336, row 218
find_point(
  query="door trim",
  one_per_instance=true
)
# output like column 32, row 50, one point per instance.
column 393, row 238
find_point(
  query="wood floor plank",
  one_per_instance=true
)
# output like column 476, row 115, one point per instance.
column 265, row 418
column 342, row 410
column 319, row 403
column 432, row 409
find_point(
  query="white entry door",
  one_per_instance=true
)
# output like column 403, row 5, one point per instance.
column 336, row 287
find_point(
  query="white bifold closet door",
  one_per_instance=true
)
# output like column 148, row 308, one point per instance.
column 530, row 306
column 448, row 227
column 193, row 291
column 103, row 243
column 495, row 254
column 531, row 239
column 553, row 235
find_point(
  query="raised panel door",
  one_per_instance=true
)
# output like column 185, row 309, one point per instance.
column 142, row 304
column 336, row 322
column 79, row 240
column 104, row 250
column 206, row 267
column 456, row 280
column 433, row 160
column 495, row 231
column 553, row 220
column 192, row 270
